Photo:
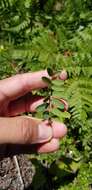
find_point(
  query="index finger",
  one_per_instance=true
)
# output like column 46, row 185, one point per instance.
column 18, row 85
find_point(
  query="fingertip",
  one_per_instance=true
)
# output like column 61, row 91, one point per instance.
column 59, row 129
column 37, row 101
column 63, row 75
column 51, row 146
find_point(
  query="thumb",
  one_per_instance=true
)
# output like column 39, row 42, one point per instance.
column 23, row 130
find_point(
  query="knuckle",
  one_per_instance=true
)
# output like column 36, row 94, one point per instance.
column 23, row 80
column 26, row 131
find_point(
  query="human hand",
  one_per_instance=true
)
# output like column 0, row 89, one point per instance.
column 24, row 134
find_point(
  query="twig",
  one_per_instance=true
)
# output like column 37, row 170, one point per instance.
column 19, row 173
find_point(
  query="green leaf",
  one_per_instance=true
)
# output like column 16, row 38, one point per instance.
column 39, row 115
column 56, row 112
column 61, row 106
column 50, row 71
column 46, row 115
column 57, row 94
column 57, row 82
column 57, row 103
column 47, row 80
column 57, row 89
column 41, row 107
column 66, row 115
column 75, row 166
column 61, row 115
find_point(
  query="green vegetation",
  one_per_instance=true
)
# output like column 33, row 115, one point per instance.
column 35, row 35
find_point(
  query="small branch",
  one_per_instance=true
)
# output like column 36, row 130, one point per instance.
column 19, row 173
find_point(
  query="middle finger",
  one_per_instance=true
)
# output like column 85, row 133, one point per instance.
column 27, row 103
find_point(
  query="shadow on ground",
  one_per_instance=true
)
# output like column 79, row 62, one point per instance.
column 50, row 178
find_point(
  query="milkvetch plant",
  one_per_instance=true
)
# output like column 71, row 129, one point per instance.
column 53, row 106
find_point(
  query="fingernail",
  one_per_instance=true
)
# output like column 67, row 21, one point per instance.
column 44, row 133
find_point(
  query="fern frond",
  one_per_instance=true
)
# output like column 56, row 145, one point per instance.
column 79, row 96
column 87, row 98
column 23, row 25
column 6, row 4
